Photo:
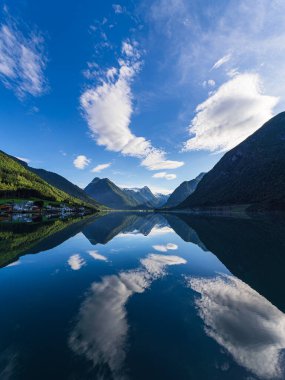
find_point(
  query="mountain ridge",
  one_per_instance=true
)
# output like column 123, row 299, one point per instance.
column 183, row 191
column 251, row 174
column 65, row 185
column 108, row 193
column 17, row 181
column 146, row 197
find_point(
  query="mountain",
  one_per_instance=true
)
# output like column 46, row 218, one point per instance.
column 161, row 199
column 18, row 181
column 109, row 194
column 63, row 184
column 251, row 175
column 145, row 197
column 183, row 191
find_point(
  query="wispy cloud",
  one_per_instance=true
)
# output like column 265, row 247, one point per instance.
column 81, row 161
column 155, row 160
column 229, row 39
column 209, row 83
column 100, row 167
column 118, row 8
column 26, row 160
column 22, row 59
column 164, row 175
column 108, row 108
column 221, row 61
column 236, row 110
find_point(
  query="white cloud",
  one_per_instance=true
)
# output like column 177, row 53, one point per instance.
column 26, row 160
column 97, row 256
column 221, row 61
column 164, row 175
column 111, row 73
column 160, row 190
column 254, row 38
column 155, row 160
column 81, row 161
column 236, row 110
column 108, row 108
column 117, row 8
column 129, row 50
column 209, row 83
column 246, row 324
column 101, row 167
column 165, row 248
column 22, row 60
column 76, row 262
column 233, row 72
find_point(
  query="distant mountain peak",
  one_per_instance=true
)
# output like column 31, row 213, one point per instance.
column 106, row 192
column 146, row 198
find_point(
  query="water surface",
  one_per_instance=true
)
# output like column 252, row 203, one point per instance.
column 142, row 296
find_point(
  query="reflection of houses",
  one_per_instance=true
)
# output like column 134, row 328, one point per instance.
column 52, row 209
column 6, row 208
column 26, row 206
column 65, row 209
column 20, row 207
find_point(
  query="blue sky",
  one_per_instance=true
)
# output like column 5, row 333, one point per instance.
column 143, row 92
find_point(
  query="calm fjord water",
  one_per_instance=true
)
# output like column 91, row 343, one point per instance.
column 142, row 296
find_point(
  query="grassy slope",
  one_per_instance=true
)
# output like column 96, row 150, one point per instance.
column 16, row 181
column 63, row 184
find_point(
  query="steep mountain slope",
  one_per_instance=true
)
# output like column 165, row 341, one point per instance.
column 17, row 181
column 183, row 191
column 109, row 194
column 145, row 197
column 63, row 184
column 252, row 173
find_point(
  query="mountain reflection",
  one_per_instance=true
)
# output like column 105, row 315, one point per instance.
column 103, row 230
column 241, row 311
column 252, row 249
column 248, row 326
column 17, row 239
column 101, row 330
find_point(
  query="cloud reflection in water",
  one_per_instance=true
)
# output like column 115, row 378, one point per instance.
column 101, row 330
column 76, row 262
column 245, row 323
